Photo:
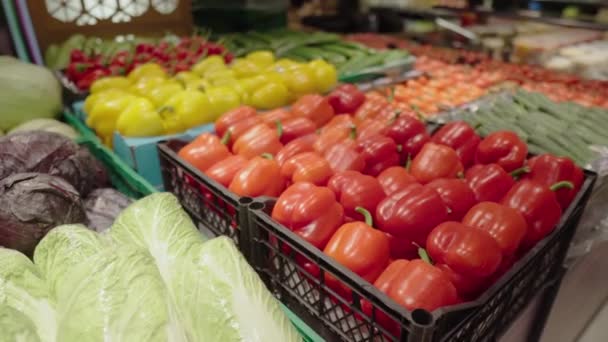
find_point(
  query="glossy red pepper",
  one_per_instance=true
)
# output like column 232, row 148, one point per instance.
column 410, row 133
column 294, row 128
column 346, row 99
column 333, row 136
column 549, row 169
column 394, row 179
column 307, row 167
column 380, row 152
column 456, row 195
column 204, row 151
column 489, row 182
column 417, row 284
column 436, row 161
column 373, row 105
column 231, row 117
column 257, row 140
column 538, row 205
column 310, row 211
column 224, row 170
column 411, row 213
column 468, row 287
column 345, row 156
column 506, row 225
column 504, row 148
column 314, row 107
column 467, row 251
column 235, row 130
column 354, row 189
column 460, row 136
column 296, row 146
column 342, row 120
column 261, row 176
column 369, row 128
column 272, row 116
column 360, row 248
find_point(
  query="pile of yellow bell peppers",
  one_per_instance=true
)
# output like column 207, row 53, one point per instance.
column 149, row 102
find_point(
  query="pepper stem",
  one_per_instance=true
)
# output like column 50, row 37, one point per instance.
column 279, row 128
column 423, row 254
column 353, row 132
column 226, row 137
column 562, row 185
column 408, row 163
column 267, row 156
column 519, row 172
column 477, row 126
column 396, row 116
column 368, row 217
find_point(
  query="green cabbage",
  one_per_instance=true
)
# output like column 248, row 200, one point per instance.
column 63, row 248
column 217, row 281
column 116, row 295
column 22, row 288
column 16, row 327
column 158, row 224
column 47, row 125
column 28, row 92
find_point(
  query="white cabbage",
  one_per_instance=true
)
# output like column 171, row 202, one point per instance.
column 16, row 327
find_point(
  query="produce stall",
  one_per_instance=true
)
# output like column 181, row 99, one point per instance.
column 292, row 184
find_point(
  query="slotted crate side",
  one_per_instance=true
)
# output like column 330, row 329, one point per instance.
column 210, row 204
column 279, row 257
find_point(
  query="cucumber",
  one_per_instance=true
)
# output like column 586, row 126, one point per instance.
column 310, row 53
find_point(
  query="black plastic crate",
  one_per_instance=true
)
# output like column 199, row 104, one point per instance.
column 339, row 318
column 210, row 204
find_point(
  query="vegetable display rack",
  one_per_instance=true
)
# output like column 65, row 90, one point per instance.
column 275, row 251
column 209, row 204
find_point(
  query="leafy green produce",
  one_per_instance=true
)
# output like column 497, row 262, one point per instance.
column 47, row 125
column 16, row 326
column 23, row 289
column 28, row 92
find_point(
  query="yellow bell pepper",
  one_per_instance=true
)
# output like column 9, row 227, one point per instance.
column 245, row 68
column 214, row 62
column 92, row 99
column 148, row 70
column 300, row 81
column 325, row 75
column 185, row 110
column 219, row 74
column 200, row 84
column 222, row 99
column 162, row 92
column 186, row 76
column 139, row 119
column 283, row 65
column 143, row 86
column 105, row 83
column 269, row 96
column 262, row 58
column 108, row 109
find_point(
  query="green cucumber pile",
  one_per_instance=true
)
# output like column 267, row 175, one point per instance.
column 349, row 58
column 566, row 128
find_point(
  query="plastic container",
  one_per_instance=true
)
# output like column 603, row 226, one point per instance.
column 339, row 318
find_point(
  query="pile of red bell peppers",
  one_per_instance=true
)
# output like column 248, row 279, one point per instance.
column 374, row 191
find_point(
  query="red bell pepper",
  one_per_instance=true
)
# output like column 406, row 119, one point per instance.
column 411, row 213
column 333, row 136
column 504, row 148
column 272, row 116
column 360, row 248
column 231, row 117
column 460, row 136
column 436, row 161
column 310, row 211
column 402, row 248
column 307, row 167
column 346, row 99
column 314, row 107
column 261, row 176
column 538, row 205
column 354, row 189
column 468, row 287
column 456, row 194
column 506, row 225
column 345, row 156
column 204, row 151
column 549, row 169
column 294, row 128
column 467, row 251
column 369, row 128
column 410, row 133
column 296, row 146
column 380, row 152
column 224, row 170
column 394, row 179
column 417, row 284
column 489, row 182
column 342, row 120
column 373, row 105
column 236, row 129
column 257, row 140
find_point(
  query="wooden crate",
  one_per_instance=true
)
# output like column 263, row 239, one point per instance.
column 55, row 20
